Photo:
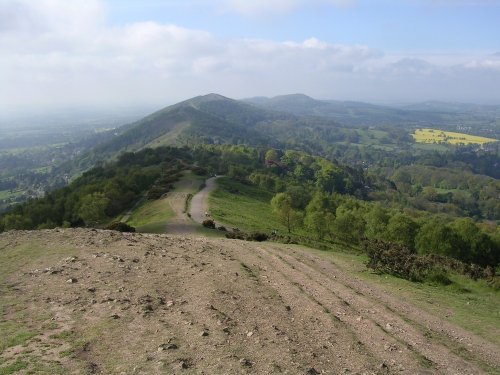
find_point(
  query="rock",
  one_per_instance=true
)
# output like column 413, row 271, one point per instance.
column 182, row 365
column 245, row 362
column 288, row 308
column 204, row 333
column 71, row 280
column 91, row 289
column 115, row 316
column 170, row 303
column 250, row 334
column 168, row 346
column 312, row 371
column 388, row 326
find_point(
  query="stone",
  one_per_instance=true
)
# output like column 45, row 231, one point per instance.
column 245, row 362
column 312, row 371
column 71, row 280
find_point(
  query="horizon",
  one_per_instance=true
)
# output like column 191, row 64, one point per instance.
column 105, row 54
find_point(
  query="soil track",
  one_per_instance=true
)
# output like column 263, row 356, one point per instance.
column 155, row 304
column 199, row 203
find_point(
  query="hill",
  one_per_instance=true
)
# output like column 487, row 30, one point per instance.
column 109, row 302
column 364, row 114
column 210, row 118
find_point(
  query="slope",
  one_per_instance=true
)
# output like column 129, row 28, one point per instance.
column 210, row 118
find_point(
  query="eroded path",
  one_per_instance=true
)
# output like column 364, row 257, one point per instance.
column 154, row 304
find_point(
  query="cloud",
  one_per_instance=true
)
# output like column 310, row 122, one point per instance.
column 45, row 61
column 259, row 7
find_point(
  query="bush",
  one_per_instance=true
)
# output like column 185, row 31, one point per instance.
column 120, row 227
column 222, row 229
column 257, row 236
column 208, row 224
column 254, row 236
column 438, row 276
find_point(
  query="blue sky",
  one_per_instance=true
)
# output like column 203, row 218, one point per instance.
column 67, row 53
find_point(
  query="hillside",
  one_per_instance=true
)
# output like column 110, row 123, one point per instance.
column 105, row 302
column 210, row 118
column 364, row 114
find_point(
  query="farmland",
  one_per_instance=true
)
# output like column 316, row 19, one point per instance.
column 439, row 136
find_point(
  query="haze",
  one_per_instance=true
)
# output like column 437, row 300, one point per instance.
column 57, row 54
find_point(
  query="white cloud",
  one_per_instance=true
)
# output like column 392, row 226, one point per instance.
column 47, row 62
column 259, row 7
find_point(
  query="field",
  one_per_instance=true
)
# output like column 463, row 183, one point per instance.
column 243, row 206
column 440, row 136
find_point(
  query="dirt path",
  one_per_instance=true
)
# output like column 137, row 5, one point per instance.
column 199, row 203
column 190, row 305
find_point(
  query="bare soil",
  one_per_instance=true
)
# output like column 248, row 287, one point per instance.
column 120, row 303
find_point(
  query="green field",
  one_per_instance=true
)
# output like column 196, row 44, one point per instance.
column 243, row 206
column 439, row 136
column 151, row 216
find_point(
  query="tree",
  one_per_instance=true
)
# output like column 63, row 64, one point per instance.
column 93, row 208
column 402, row 229
column 271, row 154
column 376, row 222
column 282, row 207
column 435, row 237
column 316, row 221
column 349, row 225
column 478, row 247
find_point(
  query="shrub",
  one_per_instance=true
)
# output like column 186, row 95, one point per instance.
column 222, row 229
column 438, row 276
column 208, row 224
column 120, row 227
column 257, row 236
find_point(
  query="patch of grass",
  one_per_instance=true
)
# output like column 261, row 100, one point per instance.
column 64, row 335
column 13, row 330
column 66, row 353
column 249, row 271
column 243, row 206
column 14, row 337
column 18, row 365
column 151, row 216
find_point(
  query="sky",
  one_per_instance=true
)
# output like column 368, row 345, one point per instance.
column 57, row 54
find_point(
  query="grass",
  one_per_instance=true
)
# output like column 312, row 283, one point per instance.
column 151, row 216
column 439, row 136
column 242, row 206
column 18, row 365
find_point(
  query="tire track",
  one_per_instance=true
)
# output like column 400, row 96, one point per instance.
column 408, row 332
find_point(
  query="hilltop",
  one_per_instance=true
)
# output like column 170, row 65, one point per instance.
column 108, row 302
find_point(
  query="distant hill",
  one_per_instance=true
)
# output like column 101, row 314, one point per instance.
column 358, row 113
column 210, row 118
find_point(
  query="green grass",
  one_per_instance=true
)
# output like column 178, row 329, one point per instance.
column 14, row 367
column 243, row 206
column 151, row 216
